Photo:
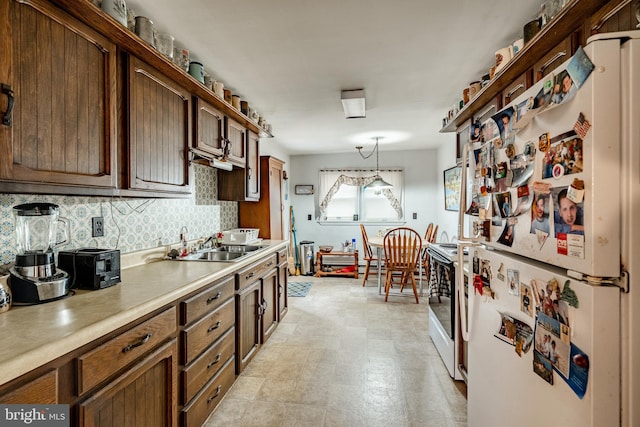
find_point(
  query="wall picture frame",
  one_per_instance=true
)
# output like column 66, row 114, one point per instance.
column 304, row 189
column 452, row 187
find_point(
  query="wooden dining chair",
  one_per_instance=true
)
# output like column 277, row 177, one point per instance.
column 429, row 236
column 369, row 257
column 402, row 248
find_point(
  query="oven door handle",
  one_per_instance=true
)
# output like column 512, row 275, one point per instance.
column 465, row 309
column 439, row 257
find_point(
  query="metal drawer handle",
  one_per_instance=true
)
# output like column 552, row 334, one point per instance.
column 280, row 290
column 212, row 299
column 260, row 310
column 6, row 118
column 264, row 305
column 269, row 264
column 551, row 61
column 214, row 327
column 250, row 275
column 487, row 110
column 138, row 344
column 218, row 357
column 218, row 390
column 514, row 90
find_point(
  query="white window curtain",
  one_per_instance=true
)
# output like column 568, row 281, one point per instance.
column 333, row 182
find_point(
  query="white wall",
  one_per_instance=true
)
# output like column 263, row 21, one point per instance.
column 422, row 193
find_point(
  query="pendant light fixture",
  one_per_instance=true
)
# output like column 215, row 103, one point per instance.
column 378, row 183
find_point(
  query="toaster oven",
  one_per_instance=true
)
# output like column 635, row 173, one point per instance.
column 91, row 268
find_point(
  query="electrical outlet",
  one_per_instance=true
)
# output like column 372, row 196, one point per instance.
column 415, row 215
column 97, row 226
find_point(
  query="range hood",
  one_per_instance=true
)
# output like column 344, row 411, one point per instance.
column 203, row 158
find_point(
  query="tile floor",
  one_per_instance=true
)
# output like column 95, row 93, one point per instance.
column 344, row 357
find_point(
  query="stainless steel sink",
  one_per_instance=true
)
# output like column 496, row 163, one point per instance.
column 217, row 256
column 238, row 248
column 225, row 253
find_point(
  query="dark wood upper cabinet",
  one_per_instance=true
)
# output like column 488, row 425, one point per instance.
column 253, row 166
column 552, row 59
column 243, row 184
column 236, row 138
column 566, row 24
column 209, row 129
column 62, row 76
column 159, row 131
column 516, row 88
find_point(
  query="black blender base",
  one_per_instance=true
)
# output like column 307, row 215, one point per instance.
column 25, row 291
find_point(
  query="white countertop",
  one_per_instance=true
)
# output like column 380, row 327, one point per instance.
column 37, row 334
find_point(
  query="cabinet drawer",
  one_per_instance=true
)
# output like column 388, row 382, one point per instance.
column 255, row 271
column 207, row 365
column 283, row 255
column 196, row 413
column 100, row 363
column 203, row 333
column 207, row 300
column 43, row 390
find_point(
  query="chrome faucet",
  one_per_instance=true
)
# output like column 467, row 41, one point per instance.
column 209, row 240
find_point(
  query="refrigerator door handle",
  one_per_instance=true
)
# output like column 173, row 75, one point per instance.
column 463, row 194
column 463, row 306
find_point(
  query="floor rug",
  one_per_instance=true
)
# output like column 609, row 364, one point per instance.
column 298, row 289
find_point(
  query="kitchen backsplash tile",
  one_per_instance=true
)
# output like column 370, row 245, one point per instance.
column 130, row 224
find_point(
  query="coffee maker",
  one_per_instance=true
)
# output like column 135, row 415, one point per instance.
column 34, row 277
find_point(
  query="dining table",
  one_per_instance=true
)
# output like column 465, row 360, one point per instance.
column 378, row 243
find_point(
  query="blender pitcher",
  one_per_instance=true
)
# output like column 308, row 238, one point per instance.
column 36, row 227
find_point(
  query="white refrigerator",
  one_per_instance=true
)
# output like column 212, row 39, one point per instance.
column 552, row 209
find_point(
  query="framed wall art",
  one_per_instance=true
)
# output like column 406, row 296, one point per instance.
column 304, row 189
column 452, row 186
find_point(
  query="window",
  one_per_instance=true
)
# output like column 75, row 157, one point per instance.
column 344, row 197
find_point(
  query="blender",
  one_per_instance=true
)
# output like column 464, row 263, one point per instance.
column 34, row 277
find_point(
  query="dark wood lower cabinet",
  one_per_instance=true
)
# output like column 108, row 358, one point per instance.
column 283, row 277
column 171, row 367
column 248, row 314
column 269, row 320
column 42, row 390
column 143, row 395
column 199, row 409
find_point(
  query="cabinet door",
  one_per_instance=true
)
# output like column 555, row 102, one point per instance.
column 62, row 75
column 488, row 110
column 266, row 214
column 269, row 304
column 253, row 167
column 159, row 129
column 144, row 395
column 517, row 87
column 275, row 199
column 283, row 299
column 249, row 313
column 552, row 59
column 209, row 128
column 236, row 134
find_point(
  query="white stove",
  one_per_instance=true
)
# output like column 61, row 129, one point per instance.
column 444, row 327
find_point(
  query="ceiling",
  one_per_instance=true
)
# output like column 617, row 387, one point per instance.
column 291, row 59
